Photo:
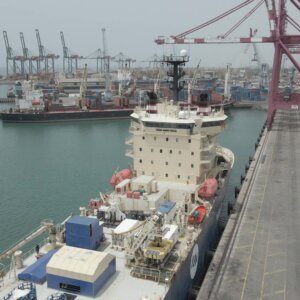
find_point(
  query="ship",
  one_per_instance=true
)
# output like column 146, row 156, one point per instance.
column 149, row 238
column 35, row 105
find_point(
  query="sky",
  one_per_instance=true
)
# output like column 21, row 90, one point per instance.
column 131, row 27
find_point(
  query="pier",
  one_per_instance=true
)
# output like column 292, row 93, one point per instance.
column 258, row 255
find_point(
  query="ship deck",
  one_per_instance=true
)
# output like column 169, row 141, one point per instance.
column 120, row 284
column 258, row 255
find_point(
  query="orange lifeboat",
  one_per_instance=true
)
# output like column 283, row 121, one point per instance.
column 197, row 215
column 120, row 176
column 208, row 188
column 35, row 102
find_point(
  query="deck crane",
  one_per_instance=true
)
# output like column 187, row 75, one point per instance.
column 45, row 56
column 70, row 57
column 10, row 56
column 106, row 61
column 284, row 43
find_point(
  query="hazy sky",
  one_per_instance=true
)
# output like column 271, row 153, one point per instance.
column 131, row 27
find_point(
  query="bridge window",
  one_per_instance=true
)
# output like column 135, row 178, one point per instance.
column 212, row 123
column 170, row 125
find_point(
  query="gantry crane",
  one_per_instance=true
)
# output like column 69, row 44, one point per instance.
column 10, row 56
column 45, row 56
column 123, row 61
column 284, row 43
column 98, row 56
column 70, row 58
column 154, row 61
column 27, row 56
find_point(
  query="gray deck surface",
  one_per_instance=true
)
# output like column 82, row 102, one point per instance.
column 262, row 259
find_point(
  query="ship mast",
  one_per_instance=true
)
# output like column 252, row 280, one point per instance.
column 176, row 71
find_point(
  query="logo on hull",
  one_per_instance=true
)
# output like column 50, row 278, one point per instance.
column 194, row 261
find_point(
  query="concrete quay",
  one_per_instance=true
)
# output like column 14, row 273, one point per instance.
column 258, row 256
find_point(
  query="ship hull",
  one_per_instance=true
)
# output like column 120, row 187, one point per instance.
column 18, row 117
column 182, row 282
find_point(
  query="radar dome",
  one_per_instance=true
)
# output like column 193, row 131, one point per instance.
column 183, row 52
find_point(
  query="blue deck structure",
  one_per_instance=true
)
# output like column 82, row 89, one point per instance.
column 36, row 272
column 83, row 232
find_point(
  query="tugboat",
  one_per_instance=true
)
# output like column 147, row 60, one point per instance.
column 149, row 238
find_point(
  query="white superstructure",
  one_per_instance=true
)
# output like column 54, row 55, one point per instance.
column 175, row 145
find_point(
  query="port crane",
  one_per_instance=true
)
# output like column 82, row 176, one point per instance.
column 45, row 56
column 11, row 56
column 123, row 61
column 98, row 55
column 27, row 56
column 69, row 57
column 284, row 43
column 154, row 61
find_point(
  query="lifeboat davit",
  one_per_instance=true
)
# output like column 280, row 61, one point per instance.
column 197, row 216
column 208, row 188
column 120, row 176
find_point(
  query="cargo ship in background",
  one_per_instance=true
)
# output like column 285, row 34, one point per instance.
column 51, row 103
column 150, row 238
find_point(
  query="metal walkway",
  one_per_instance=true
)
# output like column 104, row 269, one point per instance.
column 259, row 254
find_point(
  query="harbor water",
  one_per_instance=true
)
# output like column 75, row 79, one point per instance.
column 49, row 170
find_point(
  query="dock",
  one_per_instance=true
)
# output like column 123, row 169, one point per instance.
column 258, row 256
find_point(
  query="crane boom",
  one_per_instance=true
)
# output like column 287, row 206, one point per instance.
column 9, row 51
column 24, row 49
column 40, row 46
column 65, row 49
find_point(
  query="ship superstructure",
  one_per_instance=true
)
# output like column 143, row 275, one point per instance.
column 175, row 145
